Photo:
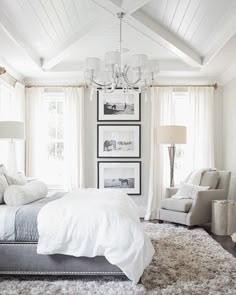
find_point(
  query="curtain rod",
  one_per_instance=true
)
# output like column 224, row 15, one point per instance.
column 56, row 86
column 215, row 86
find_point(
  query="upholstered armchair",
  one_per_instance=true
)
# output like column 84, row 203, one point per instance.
column 196, row 211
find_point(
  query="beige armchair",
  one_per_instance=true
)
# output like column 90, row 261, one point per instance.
column 197, row 211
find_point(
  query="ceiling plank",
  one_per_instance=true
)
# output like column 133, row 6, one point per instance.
column 168, row 40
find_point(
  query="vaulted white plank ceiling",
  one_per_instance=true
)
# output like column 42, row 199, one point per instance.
column 46, row 40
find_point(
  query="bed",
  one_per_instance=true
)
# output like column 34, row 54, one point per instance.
column 18, row 247
column 19, row 241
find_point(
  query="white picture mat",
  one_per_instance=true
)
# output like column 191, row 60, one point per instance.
column 119, row 171
column 118, row 96
column 119, row 133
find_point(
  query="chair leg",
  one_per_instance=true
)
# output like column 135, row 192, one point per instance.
column 159, row 221
column 189, row 227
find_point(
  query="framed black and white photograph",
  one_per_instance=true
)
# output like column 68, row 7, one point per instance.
column 124, row 176
column 119, row 106
column 118, row 141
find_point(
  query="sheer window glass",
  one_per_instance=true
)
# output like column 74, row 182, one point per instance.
column 55, row 116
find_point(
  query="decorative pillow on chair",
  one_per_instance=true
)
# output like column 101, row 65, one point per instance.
column 188, row 191
column 16, row 195
column 3, row 187
column 18, row 179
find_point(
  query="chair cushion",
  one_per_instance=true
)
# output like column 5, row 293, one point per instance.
column 210, row 178
column 182, row 205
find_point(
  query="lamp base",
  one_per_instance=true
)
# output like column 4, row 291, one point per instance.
column 171, row 150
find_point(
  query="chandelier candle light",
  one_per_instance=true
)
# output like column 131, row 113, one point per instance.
column 113, row 73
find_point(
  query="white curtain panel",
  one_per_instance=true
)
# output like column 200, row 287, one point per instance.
column 36, row 132
column 199, row 150
column 200, row 134
column 74, row 137
column 162, row 113
column 12, row 108
column 19, row 110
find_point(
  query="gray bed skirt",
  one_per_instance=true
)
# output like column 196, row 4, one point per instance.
column 22, row 258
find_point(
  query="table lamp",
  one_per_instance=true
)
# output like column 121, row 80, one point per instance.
column 12, row 130
column 172, row 135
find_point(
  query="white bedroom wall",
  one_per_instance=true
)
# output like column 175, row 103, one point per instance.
column 229, row 133
column 91, row 147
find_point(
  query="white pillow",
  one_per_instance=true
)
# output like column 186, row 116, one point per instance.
column 16, row 195
column 18, row 179
column 3, row 186
column 189, row 191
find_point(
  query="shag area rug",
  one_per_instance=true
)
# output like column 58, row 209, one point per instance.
column 185, row 262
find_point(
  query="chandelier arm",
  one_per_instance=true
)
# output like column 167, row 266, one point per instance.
column 125, row 76
column 101, row 85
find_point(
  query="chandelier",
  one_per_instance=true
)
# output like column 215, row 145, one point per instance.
column 113, row 73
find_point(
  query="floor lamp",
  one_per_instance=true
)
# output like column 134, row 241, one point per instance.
column 12, row 130
column 172, row 135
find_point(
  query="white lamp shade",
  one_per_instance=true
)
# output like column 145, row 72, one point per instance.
column 112, row 58
column 152, row 66
column 172, row 134
column 12, row 130
column 93, row 63
column 139, row 60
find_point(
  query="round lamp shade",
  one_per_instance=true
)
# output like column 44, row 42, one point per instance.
column 12, row 129
column 172, row 134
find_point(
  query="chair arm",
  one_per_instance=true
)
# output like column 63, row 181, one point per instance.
column 170, row 191
column 201, row 209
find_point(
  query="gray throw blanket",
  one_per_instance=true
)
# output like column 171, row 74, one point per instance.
column 26, row 228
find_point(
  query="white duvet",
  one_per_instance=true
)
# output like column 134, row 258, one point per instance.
column 92, row 222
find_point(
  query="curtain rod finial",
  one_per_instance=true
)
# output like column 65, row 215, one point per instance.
column 2, row 71
column 215, row 86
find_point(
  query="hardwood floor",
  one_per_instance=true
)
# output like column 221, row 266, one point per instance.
column 225, row 241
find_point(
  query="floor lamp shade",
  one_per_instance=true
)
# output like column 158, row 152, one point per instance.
column 172, row 135
column 12, row 130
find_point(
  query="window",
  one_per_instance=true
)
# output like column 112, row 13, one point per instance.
column 55, row 112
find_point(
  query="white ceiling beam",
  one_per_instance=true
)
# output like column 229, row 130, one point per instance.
column 151, row 29
column 7, row 27
column 129, row 6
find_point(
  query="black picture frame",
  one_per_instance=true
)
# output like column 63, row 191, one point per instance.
column 99, row 156
column 139, row 163
column 118, row 120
